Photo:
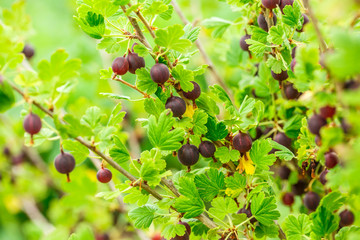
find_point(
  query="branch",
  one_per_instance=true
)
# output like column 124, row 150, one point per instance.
column 314, row 20
column 132, row 86
column 203, row 52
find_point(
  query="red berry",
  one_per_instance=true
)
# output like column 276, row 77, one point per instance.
column 346, row 218
column 135, row 62
column 311, row 200
column 160, row 73
column 120, row 66
column 331, row 160
column 64, row 163
column 242, row 142
column 177, row 105
column 32, row 124
column 207, row 149
column 327, row 112
column 288, row 199
column 194, row 94
column 280, row 76
column 243, row 44
column 315, row 123
column 104, row 175
column 188, row 154
column 270, row 4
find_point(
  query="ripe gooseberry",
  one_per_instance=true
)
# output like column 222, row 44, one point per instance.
column 160, row 73
column 104, row 175
column 188, row 154
column 262, row 21
column 284, row 3
column 280, row 76
column 270, row 4
column 135, row 62
column 284, row 172
column 186, row 236
column 288, row 199
column 177, row 105
column 242, row 142
column 28, row 51
column 32, row 125
column 331, row 160
column 243, row 44
column 327, row 111
column 207, row 149
column 315, row 123
column 195, row 93
column 346, row 218
column 311, row 201
column 248, row 213
column 65, row 163
column 120, row 66
column 322, row 177
column 291, row 92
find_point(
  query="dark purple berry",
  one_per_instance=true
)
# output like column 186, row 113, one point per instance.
column 299, row 187
column 248, row 213
column 7, row 152
column 195, row 93
column 32, row 124
column 351, row 85
column 293, row 52
column 160, row 73
column 291, row 92
column 120, row 66
column 188, row 154
column 311, row 201
column 322, row 177
column 186, row 236
column 135, row 62
column 346, row 127
column 306, row 21
column 270, row 4
column 207, row 149
column 262, row 21
column 177, row 105
column 28, row 51
column 282, row 139
column 104, row 175
column 284, row 172
column 346, row 218
column 243, row 44
column 65, row 163
column 284, row 3
column 242, row 142
column 331, row 160
column 327, row 112
column 315, row 123
column 280, row 76
column 288, row 199
column 293, row 64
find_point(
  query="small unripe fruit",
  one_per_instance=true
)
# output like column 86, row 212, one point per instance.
column 315, row 123
column 291, row 92
column 280, row 76
column 346, row 218
column 120, row 66
column 331, row 160
column 262, row 21
column 188, row 154
column 160, row 73
column 32, row 124
column 284, row 172
column 306, row 21
column 186, row 236
column 311, row 201
column 207, row 149
column 288, row 199
column 243, row 44
column 270, row 4
column 282, row 139
column 195, row 93
column 104, row 175
column 242, row 142
column 177, row 105
column 322, row 177
column 65, row 163
column 284, row 3
column 327, row 112
column 28, row 51
column 135, row 62
column 299, row 187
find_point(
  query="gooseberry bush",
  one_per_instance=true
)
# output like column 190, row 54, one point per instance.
column 266, row 128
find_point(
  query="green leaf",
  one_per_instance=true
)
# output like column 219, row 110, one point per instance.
column 141, row 50
column 93, row 24
column 259, row 34
column 134, row 195
column 324, row 222
column 168, row 13
column 171, row 38
column 218, row 24
column 276, row 65
column 276, row 35
column 216, row 131
column 221, row 206
column 292, row 15
column 7, row 97
column 259, row 154
column 170, row 230
column 246, row 106
column 235, row 182
column 199, row 120
column 111, row 45
column 346, row 233
column 79, row 151
column 154, row 107
column 191, row 33
column 121, row 2
column 190, row 203
column 284, row 153
column 143, row 216
column 109, row 195
column 271, row 231
column 155, row 8
column 184, row 77
column 208, row 104
column 224, row 97
column 75, row 128
column 92, row 117
column 119, row 152
column 116, row 116
column 293, row 125
column 256, row 47
column 333, row 201
column 209, row 184
column 224, row 154
column 161, row 134
column 144, row 81
column 297, row 228
column 264, row 209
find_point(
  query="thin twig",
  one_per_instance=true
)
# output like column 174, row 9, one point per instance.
column 132, row 86
column 203, row 53
column 314, row 20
